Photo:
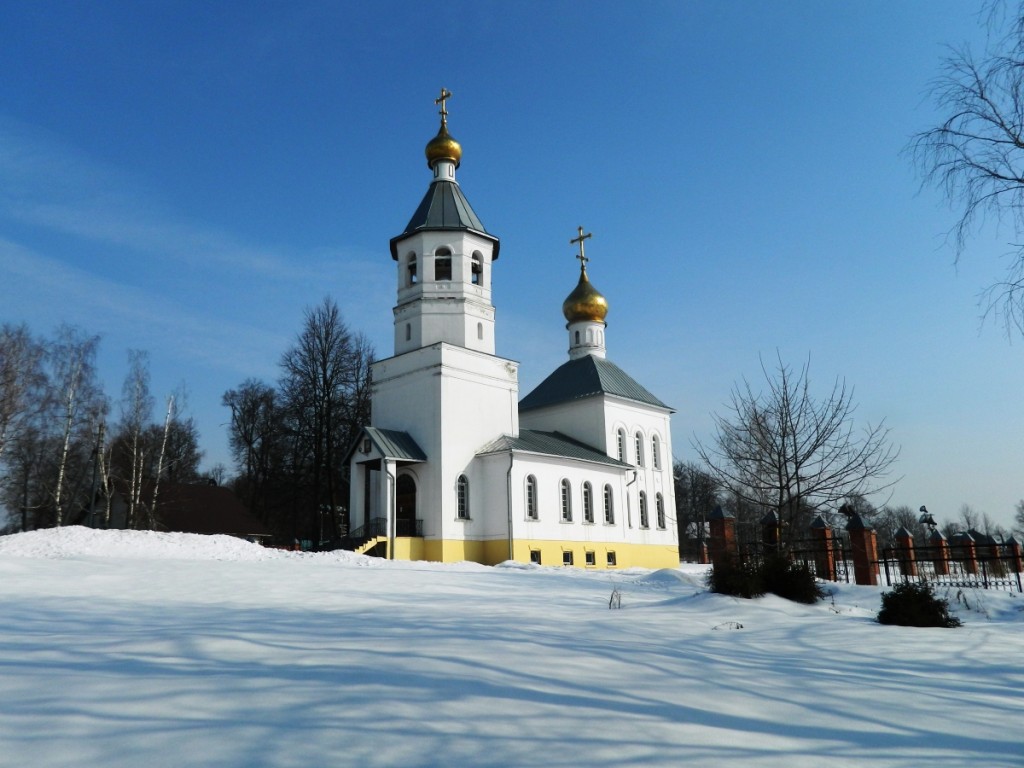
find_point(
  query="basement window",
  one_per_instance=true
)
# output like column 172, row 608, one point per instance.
column 535, row 556
column 610, row 558
column 591, row 559
column 567, row 557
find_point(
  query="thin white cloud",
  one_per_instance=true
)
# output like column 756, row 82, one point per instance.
column 40, row 289
column 47, row 184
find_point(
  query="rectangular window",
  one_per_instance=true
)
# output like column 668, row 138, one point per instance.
column 610, row 558
column 591, row 558
column 535, row 556
column 567, row 557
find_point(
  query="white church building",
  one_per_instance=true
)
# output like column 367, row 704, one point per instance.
column 454, row 466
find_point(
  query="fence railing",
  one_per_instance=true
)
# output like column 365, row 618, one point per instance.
column 966, row 562
column 952, row 567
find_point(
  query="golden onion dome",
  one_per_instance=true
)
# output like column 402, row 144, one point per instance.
column 585, row 302
column 443, row 147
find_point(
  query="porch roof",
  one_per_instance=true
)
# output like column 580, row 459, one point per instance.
column 390, row 444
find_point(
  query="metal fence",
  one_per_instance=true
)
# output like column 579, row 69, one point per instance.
column 828, row 559
column 945, row 566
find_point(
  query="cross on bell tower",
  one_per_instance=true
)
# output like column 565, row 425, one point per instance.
column 442, row 100
column 579, row 239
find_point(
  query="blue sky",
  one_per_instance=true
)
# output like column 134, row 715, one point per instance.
column 187, row 178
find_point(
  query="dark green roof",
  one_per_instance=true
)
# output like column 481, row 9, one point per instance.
column 395, row 444
column 551, row 444
column 444, row 207
column 587, row 376
column 390, row 443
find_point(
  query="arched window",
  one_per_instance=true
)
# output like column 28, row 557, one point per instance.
column 577, row 337
column 462, row 488
column 411, row 269
column 609, row 506
column 478, row 268
column 531, row 498
column 655, row 452
column 480, row 331
column 638, row 440
column 408, row 331
column 566, row 491
column 588, row 503
column 443, row 265
column 620, row 445
column 643, row 510
column 659, row 501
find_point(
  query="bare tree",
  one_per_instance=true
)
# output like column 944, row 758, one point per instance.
column 160, row 462
column 697, row 494
column 889, row 520
column 81, row 402
column 786, row 450
column 325, row 378
column 22, row 380
column 1018, row 518
column 976, row 155
column 136, row 407
column 254, row 433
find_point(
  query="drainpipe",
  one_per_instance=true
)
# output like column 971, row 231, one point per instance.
column 629, row 499
column 508, row 484
column 390, row 501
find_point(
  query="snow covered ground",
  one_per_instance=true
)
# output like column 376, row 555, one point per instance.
column 146, row 649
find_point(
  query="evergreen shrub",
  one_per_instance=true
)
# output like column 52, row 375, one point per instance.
column 791, row 580
column 730, row 577
column 776, row 574
column 912, row 604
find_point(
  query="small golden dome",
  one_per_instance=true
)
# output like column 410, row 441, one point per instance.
column 585, row 302
column 443, row 147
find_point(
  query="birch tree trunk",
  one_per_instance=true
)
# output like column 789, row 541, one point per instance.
column 160, row 463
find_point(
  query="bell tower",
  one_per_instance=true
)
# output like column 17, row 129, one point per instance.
column 444, row 258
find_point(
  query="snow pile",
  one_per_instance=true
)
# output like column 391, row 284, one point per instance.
column 123, row 648
column 78, row 541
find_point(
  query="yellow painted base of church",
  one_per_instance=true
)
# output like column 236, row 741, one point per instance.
column 597, row 555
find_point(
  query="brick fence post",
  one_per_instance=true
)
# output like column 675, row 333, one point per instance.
column 1014, row 550
column 824, row 554
column 722, row 544
column 864, row 547
column 905, row 546
column 940, row 556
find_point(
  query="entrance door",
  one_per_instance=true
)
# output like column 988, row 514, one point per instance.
column 405, row 503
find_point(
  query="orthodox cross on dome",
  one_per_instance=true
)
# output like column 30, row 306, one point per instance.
column 445, row 95
column 582, row 257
